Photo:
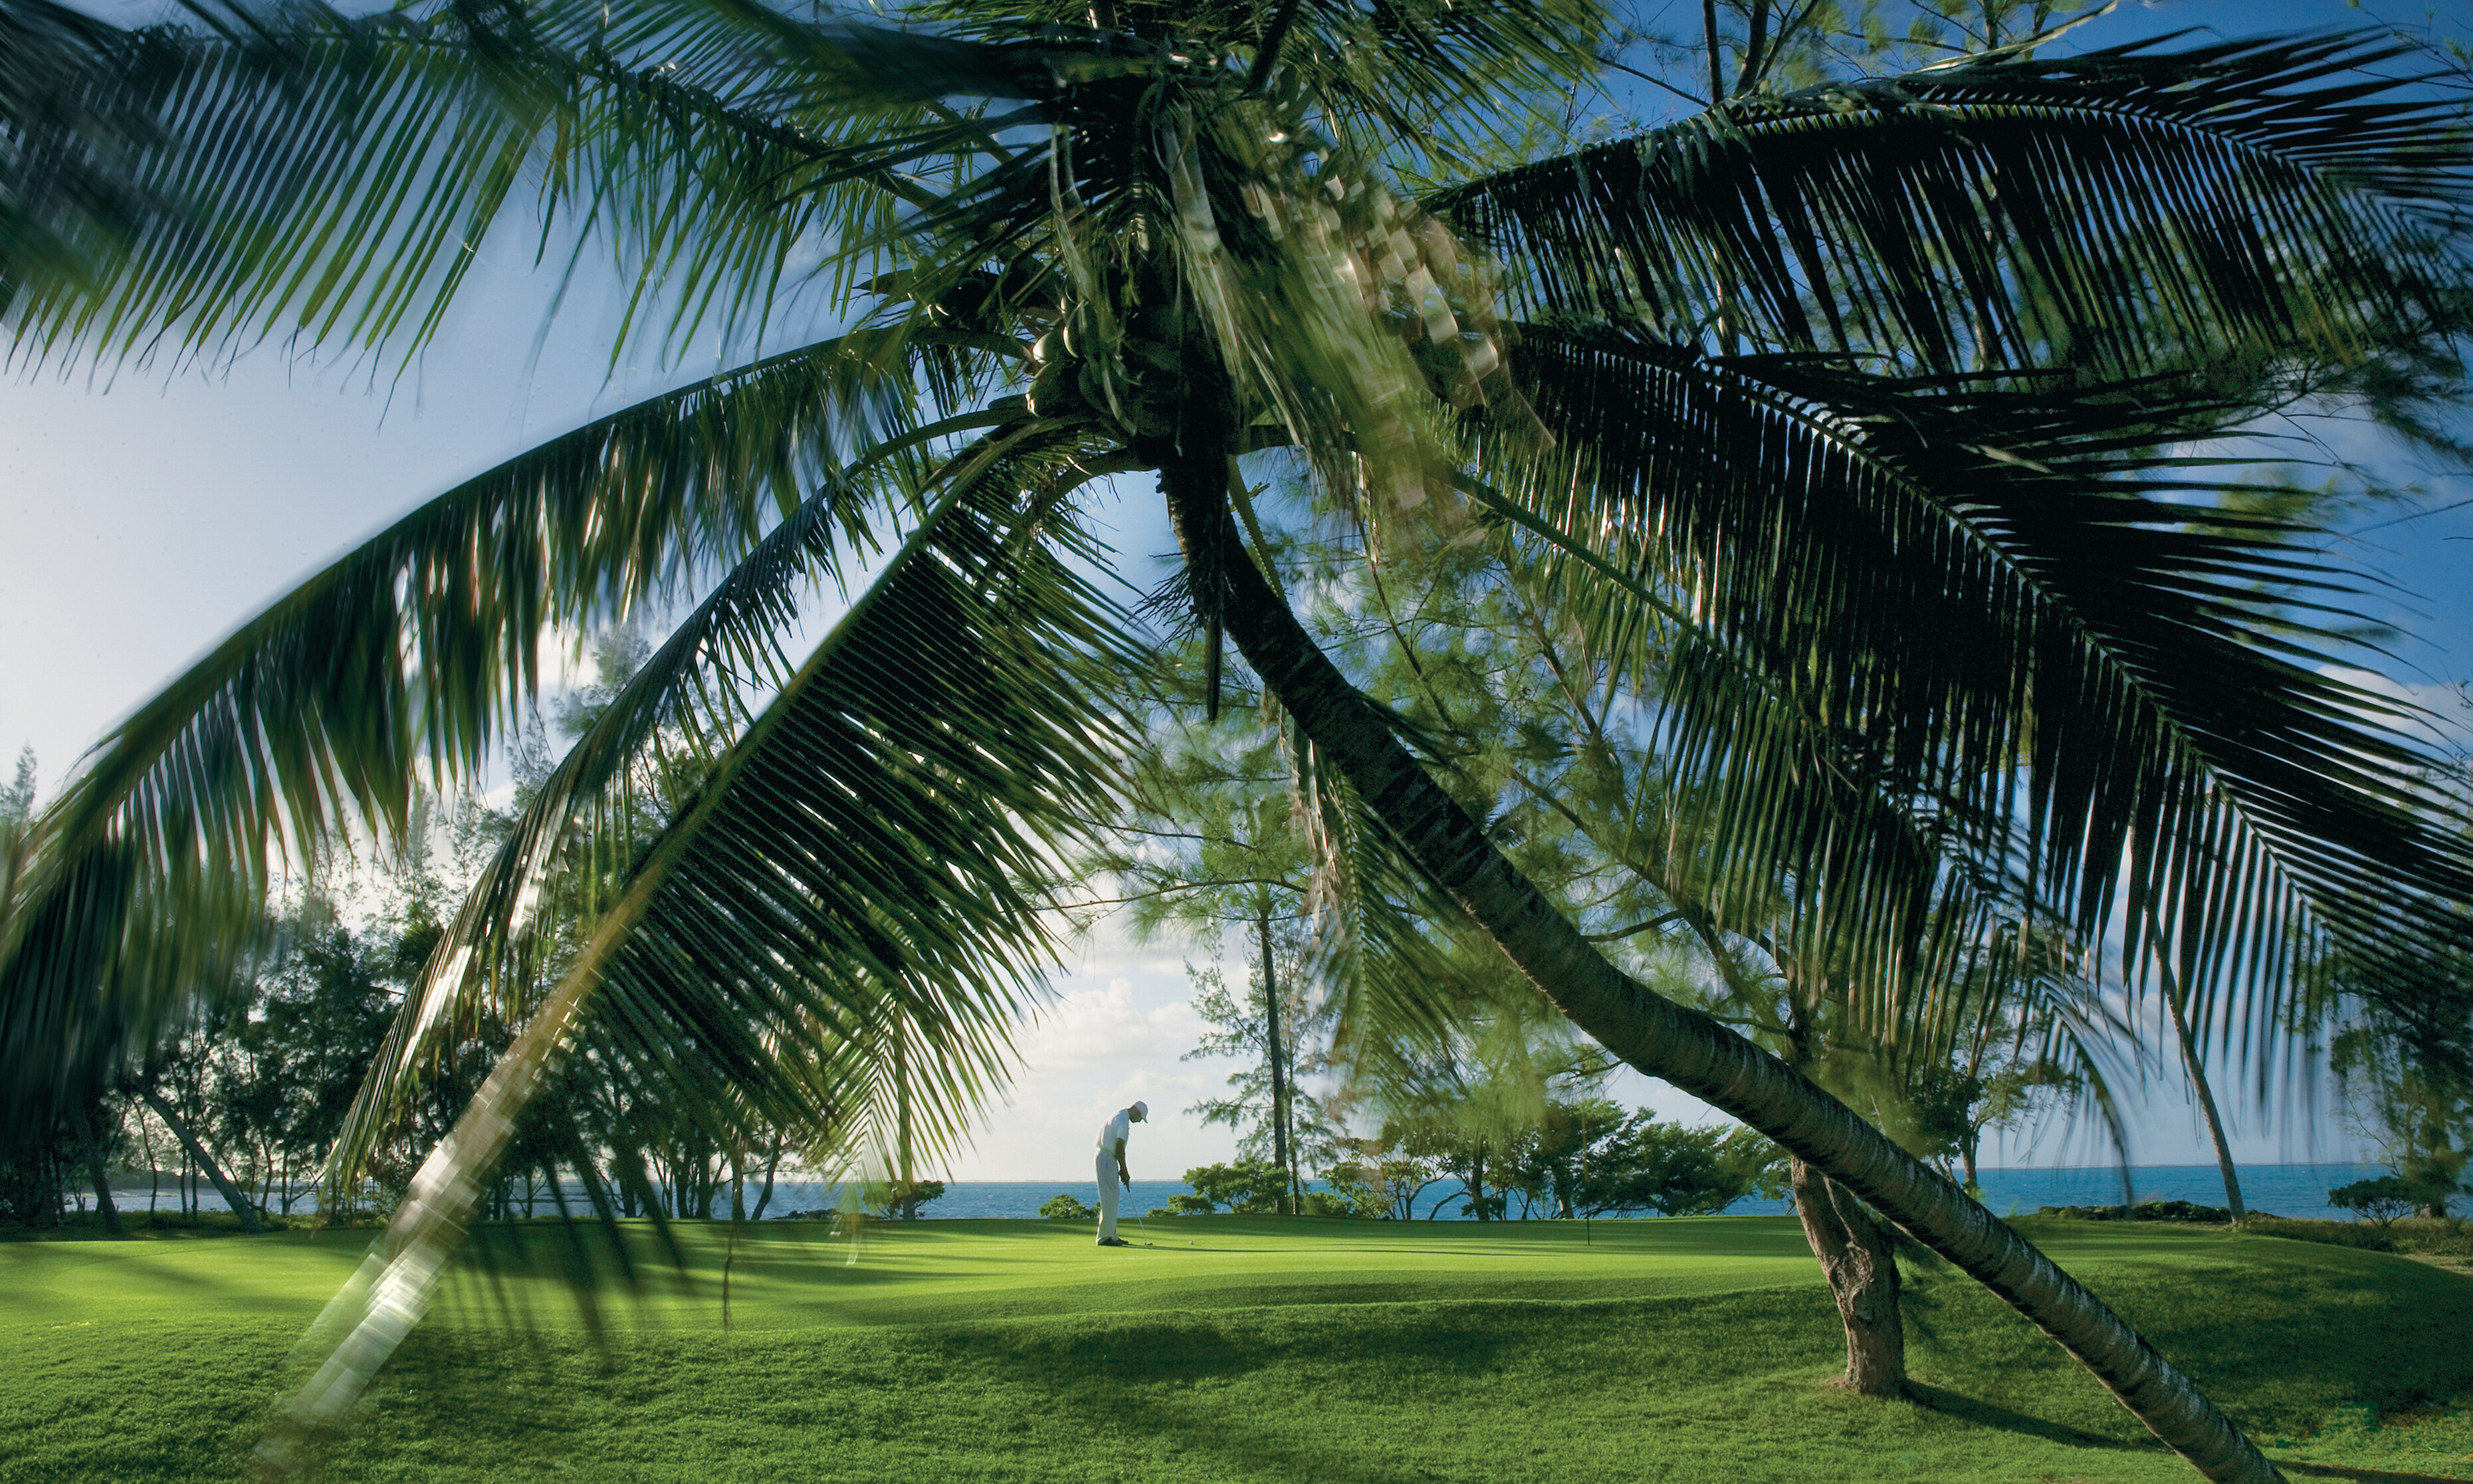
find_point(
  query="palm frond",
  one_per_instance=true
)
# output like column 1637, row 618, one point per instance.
column 410, row 655
column 860, row 854
column 330, row 180
column 75, row 106
column 2119, row 210
column 687, row 700
column 1399, row 75
column 2093, row 660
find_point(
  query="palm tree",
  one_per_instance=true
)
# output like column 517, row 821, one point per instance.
column 1843, row 419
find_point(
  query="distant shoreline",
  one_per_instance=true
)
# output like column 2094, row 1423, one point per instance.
column 2286, row 1190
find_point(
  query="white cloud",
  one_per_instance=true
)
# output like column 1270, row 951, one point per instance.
column 1092, row 1027
column 2443, row 719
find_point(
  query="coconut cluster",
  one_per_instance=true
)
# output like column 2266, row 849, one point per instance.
column 1131, row 373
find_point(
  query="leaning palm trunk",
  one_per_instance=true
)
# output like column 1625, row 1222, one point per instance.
column 1682, row 1047
column 239, row 1203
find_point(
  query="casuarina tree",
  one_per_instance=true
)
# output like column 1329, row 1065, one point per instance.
column 1852, row 420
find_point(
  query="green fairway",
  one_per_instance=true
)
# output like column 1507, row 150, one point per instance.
column 1233, row 1349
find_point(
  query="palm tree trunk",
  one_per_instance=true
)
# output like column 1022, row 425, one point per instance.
column 1861, row 1265
column 2207, row 1098
column 203, row 1161
column 1682, row 1047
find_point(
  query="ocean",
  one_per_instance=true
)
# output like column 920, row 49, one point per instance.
column 2283, row 1190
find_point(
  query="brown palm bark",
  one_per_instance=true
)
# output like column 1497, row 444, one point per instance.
column 1861, row 1262
column 1664, row 1040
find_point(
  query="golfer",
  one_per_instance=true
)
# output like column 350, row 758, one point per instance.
column 1112, row 1174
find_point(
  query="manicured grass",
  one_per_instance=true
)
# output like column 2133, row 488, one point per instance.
column 1234, row 1349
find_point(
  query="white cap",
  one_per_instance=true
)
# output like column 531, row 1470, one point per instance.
column 1141, row 1112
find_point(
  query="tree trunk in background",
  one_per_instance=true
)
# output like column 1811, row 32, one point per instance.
column 1855, row 1252
column 771, row 1163
column 100, row 1177
column 154, row 1174
column 1691, row 1050
column 1860, row 1263
column 1271, row 1029
column 908, row 1208
column 203, row 1161
column 2207, row 1098
column 587, row 1174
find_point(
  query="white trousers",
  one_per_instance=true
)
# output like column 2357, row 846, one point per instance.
column 1109, row 1190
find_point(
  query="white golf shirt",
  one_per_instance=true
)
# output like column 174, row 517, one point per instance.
column 1119, row 1127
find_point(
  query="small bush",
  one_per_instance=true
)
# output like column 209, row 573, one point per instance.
column 2420, row 1236
column 88, row 1224
column 1248, row 1187
column 2434, row 1236
column 1340, row 1203
column 2382, row 1200
column 887, row 1199
column 2148, row 1210
column 1064, row 1208
column 2333, row 1233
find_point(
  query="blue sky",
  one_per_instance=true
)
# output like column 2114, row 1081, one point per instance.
column 142, row 515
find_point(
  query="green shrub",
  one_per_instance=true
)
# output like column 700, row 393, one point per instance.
column 889, row 1197
column 2148, row 1210
column 2421, row 1237
column 2333, row 1233
column 88, row 1224
column 2434, row 1236
column 1064, row 1208
column 1248, row 1187
column 1344, row 1203
column 2382, row 1200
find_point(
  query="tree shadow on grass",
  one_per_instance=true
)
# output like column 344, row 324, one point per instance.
column 1137, row 1375
column 2364, row 1475
column 1986, row 1413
